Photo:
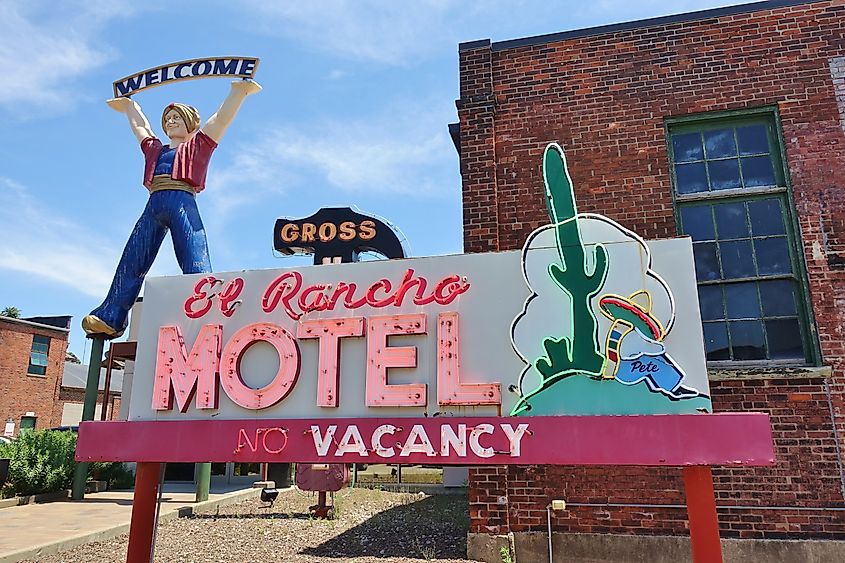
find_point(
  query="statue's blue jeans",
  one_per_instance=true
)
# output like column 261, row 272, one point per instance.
column 172, row 210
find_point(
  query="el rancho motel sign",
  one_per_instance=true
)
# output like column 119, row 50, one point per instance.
column 509, row 357
column 585, row 347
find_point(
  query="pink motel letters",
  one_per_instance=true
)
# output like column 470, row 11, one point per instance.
column 184, row 374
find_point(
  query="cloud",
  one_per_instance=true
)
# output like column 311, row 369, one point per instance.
column 400, row 33
column 608, row 12
column 45, row 46
column 41, row 242
column 337, row 74
column 382, row 31
column 396, row 153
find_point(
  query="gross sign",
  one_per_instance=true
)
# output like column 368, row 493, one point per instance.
column 338, row 234
column 237, row 67
column 325, row 362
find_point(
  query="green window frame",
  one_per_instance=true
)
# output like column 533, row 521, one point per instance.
column 733, row 198
column 38, row 355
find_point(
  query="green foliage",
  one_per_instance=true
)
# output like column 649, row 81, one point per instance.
column 428, row 552
column 577, row 352
column 505, row 555
column 41, row 461
column 11, row 312
column 72, row 358
column 114, row 473
column 337, row 510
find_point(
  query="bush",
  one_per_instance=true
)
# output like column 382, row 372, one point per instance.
column 41, row 461
column 114, row 473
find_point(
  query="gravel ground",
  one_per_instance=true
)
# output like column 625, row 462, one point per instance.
column 370, row 526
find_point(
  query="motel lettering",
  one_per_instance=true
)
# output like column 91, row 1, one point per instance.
column 183, row 374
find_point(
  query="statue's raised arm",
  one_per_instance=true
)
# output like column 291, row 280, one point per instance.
column 223, row 117
column 138, row 122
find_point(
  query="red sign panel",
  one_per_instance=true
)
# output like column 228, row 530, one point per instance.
column 697, row 439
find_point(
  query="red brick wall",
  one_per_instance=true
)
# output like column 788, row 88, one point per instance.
column 22, row 392
column 605, row 98
column 806, row 476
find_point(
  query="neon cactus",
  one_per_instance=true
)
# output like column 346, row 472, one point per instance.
column 578, row 352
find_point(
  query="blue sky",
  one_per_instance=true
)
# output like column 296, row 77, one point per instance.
column 357, row 97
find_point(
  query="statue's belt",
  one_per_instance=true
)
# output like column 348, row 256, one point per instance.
column 163, row 182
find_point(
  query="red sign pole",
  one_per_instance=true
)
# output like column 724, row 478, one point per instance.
column 701, row 508
column 142, row 526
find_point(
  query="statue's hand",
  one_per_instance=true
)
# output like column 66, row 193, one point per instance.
column 246, row 87
column 121, row 105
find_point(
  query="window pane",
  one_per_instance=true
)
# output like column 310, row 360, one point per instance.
column 37, row 370
column 719, row 143
column 697, row 222
column 784, row 336
column 766, row 217
column 757, row 171
column 730, row 220
column 753, row 311
column 747, row 340
column 737, row 261
column 724, row 174
column 716, row 341
column 37, row 359
column 687, row 147
column 773, row 256
column 741, row 300
column 40, row 344
column 706, row 264
column 710, row 302
column 691, row 178
column 778, row 298
column 752, row 139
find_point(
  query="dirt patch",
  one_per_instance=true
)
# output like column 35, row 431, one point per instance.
column 370, row 526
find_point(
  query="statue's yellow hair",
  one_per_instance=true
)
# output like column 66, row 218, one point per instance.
column 189, row 115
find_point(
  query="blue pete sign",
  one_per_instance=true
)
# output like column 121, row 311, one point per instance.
column 240, row 67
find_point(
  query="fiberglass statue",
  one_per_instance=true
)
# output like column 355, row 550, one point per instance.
column 174, row 174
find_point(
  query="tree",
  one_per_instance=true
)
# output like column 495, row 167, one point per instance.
column 11, row 312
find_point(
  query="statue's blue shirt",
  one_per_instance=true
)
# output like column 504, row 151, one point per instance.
column 164, row 162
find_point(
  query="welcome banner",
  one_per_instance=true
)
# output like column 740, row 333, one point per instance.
column 236, row 67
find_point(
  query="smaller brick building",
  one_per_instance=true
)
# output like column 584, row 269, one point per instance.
column 68, row 404
column 32, row 356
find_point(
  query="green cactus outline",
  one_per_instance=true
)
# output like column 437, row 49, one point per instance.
column 570, row 354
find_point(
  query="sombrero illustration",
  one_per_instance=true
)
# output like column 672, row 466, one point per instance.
column 627, row 314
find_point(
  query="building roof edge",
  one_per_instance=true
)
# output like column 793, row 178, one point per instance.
column 38, row 325
column 636, row 24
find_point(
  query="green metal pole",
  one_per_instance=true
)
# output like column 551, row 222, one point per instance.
column 203, row 481
column 80, row 476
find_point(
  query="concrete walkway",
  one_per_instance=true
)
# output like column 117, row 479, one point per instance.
column 29, row 531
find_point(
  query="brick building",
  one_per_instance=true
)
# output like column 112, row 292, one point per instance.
column 726, row 125
column 32, row 356
column 71, row 396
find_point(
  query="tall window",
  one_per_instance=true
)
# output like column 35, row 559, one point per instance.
column 38, row 355
column 733, row 200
